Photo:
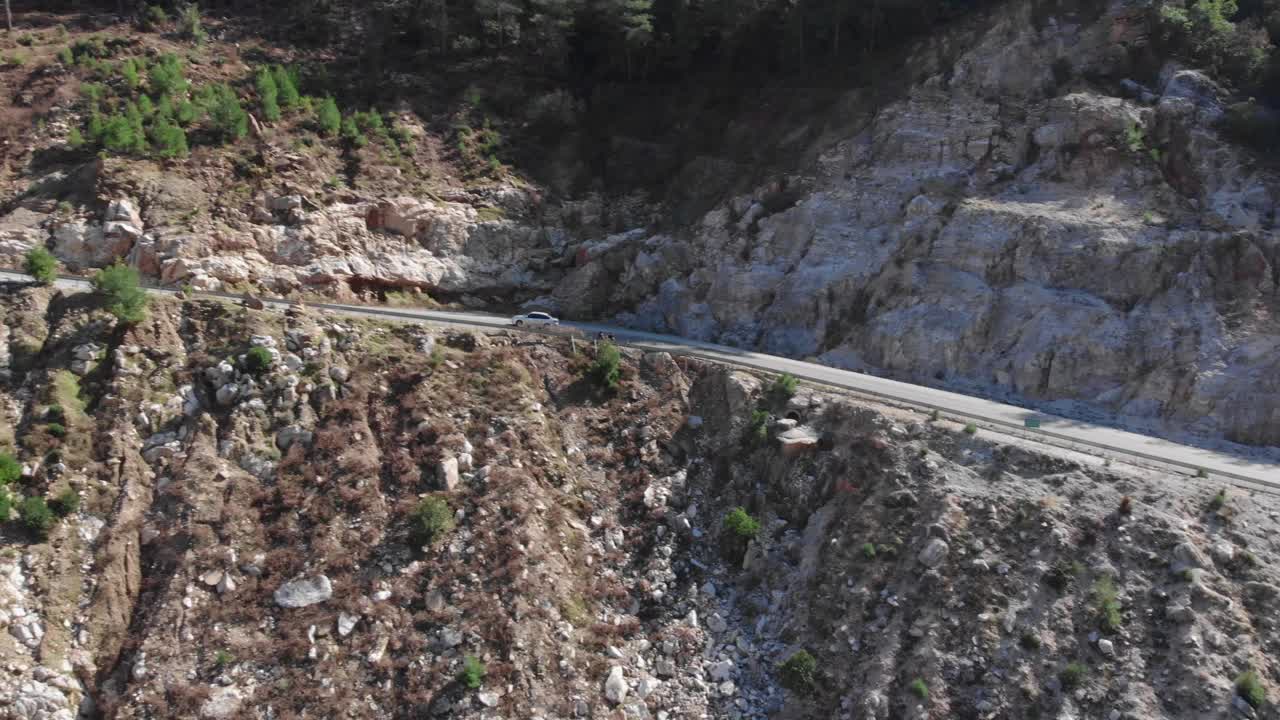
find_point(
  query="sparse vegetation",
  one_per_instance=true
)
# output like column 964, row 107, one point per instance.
column 1249, row 687
column 189, row 25
column 328, row 117
column 1060, row 574
column 970, row 429
column 41, row 265
column 264, row 82
column 741, row 524
column 473, row 672
column 154, row 17
column 222, row 658
column 758, row 428
column 10, row 469
column 1073, row 675
column 65, row 503
column 36, row 517
column 122, row 288
column 1108, row 604
column 1218, row 500
column 783, row 388
column 606, row 370
column 226, row 117
column 798, row 673
column 258, row 360
column 431, row 520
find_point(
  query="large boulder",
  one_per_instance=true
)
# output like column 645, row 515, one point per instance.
column 304, row 591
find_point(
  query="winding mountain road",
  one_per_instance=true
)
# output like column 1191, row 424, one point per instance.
column 1053, row 429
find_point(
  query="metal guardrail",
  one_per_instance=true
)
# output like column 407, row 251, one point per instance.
column 693, row 351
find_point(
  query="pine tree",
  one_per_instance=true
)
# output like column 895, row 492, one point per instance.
column 287, row 86
column 168, row 139
column 328, row 117
column 268, row 94
column 226, row 117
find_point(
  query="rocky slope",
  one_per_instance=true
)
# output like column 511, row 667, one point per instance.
column 243, row 542
column 1024, row 220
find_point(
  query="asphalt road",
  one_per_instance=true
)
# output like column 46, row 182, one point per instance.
column 1057, row 430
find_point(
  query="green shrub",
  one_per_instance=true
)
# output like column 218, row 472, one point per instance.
column 6, row 503
column 75, row 140
column 189, row 25
column 123, row 134
column 758, row 428
column 268, row 94
column 166, row 77
column 1029, row 641
column 10, row 468
column 1249, row 687
column 606, row 370
column 935, row 415
column 125, row 297
column 131, row 72
column 93, row 93
column 869, row 551
column 26, row 39
column 36, row 516
column 919, row 689
column 1060, row 575
column 783, row 388
column 66, row 503
column 57, row 430
column 258, row 360
column 1072, row 675
column 226, row 117
column 42, row 265
column 740, row 523
column 798, row 672
column 185, row 113
column 351, row 132
column 145, row 106
column 1104, row 593
column 168, row 140
column 66, row 57
column 223, row 658
column 1218, row 500
column 431, row 520
column 55, row 413
column 154, row 17
column 328, row 117
column 970, row 429
column 287, row 87
column 472, row 672
column 403, row 137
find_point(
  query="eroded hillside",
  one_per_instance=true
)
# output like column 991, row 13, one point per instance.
column 394, row 521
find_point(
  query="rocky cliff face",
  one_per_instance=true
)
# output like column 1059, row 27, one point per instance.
column 1026, row 220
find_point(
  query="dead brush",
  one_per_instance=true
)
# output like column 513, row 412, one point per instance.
column 1126, row 506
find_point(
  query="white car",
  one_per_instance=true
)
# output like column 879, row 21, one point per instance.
column 534, row 318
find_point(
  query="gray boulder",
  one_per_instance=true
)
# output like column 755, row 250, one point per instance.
column 304, row 591
column 934, row 552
